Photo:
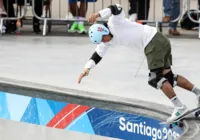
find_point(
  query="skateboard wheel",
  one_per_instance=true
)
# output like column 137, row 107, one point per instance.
column 180, row 124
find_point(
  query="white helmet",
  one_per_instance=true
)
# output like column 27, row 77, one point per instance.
column 96, row 32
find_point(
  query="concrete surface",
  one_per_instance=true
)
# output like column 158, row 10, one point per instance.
column 98, row 100
column 58, row 61
column 11, row 130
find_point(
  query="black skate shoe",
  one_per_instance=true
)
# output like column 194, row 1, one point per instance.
column 36, row 28
column 11, row 27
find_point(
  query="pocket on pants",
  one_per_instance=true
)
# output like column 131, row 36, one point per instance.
column 149, row 48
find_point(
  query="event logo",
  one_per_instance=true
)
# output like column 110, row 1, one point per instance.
column 100, row 29
column 142, row 128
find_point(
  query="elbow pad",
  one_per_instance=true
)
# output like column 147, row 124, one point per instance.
column 115, row 9
column 96, row 58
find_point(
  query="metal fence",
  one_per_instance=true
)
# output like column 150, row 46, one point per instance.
column 198, row 11
column 14, row 17
column 58, row 9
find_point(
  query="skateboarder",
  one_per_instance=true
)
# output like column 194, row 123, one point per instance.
column 157, row 49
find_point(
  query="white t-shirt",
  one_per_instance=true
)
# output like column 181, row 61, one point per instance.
column 125, row 33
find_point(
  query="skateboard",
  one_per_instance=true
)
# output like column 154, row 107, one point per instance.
column 179, row 121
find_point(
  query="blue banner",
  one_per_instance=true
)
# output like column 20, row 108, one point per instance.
column 84, row 119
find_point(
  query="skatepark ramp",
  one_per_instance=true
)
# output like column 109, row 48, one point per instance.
column 86, row 113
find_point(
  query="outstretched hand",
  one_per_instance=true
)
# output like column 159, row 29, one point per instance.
column 80, row 78
column 92, row 18
column 85, row 73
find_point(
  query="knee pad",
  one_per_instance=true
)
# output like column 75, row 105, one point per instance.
column 172, row 78
column 156, row 79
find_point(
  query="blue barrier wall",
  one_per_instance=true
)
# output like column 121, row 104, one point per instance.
column 84, row 119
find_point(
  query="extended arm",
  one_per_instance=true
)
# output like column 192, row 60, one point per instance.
column 94, row 60
column 100, row 51
column 115, row 9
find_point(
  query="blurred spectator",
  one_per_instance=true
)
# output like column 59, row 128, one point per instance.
column 78, row 13
column 171, row 11
column 139, row 9
column 199, row 4
column 10, row 24
column 2, row 10
column 46, row 7
column 38, row 10
column 2, row 14
column 133, row 10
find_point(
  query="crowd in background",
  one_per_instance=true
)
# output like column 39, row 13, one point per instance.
column 139, row 10
column 7, row 9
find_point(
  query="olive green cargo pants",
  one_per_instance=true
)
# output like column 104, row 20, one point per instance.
column 158, row 52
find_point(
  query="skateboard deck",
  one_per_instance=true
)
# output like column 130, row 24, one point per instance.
column 196, row 112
